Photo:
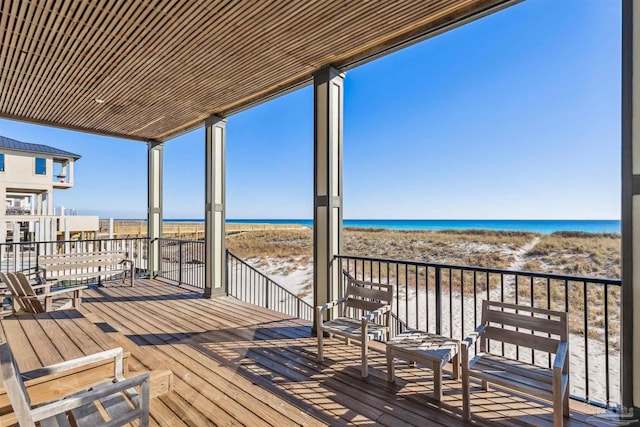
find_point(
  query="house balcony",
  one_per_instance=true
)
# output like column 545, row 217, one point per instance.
column 249, row 358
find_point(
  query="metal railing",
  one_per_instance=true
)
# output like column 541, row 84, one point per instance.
column 182, row 261
column 446, row 299
column 23, row 256
column 248, row 284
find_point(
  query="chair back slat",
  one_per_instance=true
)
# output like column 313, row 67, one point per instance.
column 16, row 391
column 524, row 326
column 367, row 296
column 15, row 289
column 364, row 305
column 19, row 285
column 33, row 305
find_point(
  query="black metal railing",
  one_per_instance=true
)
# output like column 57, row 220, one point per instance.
column 446, row 299
column 248, row 284
column 23, row 256
column 182, row 261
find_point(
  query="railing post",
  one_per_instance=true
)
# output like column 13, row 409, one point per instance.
column 438, row 302
column 180, row 262
column 266, row 293
column 229, row 270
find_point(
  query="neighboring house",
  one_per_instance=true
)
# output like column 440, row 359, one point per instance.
column 28, row 175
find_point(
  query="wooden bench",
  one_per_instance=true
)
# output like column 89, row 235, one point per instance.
column 533, row 328
column 86, row 265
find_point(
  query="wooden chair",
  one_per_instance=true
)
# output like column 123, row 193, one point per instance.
column 25, row 298
column 533, row 328
column 116, row 395
column 360, row 297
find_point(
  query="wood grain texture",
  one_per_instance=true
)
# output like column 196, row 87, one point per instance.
column 239, row 364
column 162, row 66
column 551, row 384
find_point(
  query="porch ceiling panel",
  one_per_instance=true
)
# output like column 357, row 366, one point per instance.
column 151, row 69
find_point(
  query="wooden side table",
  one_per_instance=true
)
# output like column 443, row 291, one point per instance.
column 430, row 349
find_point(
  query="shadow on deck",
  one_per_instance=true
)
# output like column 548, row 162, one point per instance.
column 235, row 363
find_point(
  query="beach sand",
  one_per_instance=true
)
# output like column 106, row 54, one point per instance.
column 295, row 273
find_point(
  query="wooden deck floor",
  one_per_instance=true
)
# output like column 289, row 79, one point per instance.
column 238, row 364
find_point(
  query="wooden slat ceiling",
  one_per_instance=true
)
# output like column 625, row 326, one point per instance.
column 152, row 69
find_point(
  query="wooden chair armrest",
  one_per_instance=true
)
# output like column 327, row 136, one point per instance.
column 379, row 312
column 53, row 293
column 472, row 338
column 88, row 397
column 115, row 353
column 64, row 291
column 330, row 304
column 561, row 355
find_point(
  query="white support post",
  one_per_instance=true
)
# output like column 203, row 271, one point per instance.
column 214, row 217
column 630, row 342
column 3, row 200
column 3, row 246
column 67, row 235
column 70, row 172
column 327, row 217
column 154, row 211
column 17, row 249
column 52, row 226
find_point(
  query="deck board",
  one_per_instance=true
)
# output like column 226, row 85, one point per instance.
column 238, row 364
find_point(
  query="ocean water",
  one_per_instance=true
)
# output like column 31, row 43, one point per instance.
column 535, row 225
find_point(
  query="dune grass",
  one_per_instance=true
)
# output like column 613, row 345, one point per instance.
column 575, row 254
column 477, row 248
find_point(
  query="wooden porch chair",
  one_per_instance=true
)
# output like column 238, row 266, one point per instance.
column 534, row 328
column 25, row 298
column 360, row 297
column 116, row 395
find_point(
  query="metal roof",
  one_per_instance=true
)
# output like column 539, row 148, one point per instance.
column 12, row 144
column 151, row 70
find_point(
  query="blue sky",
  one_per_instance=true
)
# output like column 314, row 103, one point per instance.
column 514, row 116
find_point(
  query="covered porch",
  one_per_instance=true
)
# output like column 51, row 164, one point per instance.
column 151, row 72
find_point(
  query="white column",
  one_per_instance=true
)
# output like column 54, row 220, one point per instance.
column 50, row 202
column 327, row 218
column 3, row 247
column 17, row 249
column 70, row 172
column 214, row 215
column 154, row 206
column 42, row 237
column 630, row 343
column 3, row 201
column 52, row 230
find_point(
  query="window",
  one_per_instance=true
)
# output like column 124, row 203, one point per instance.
column 41, row 166
column 1, row 162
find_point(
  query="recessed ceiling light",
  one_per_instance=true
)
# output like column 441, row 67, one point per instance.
column 99, row 100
